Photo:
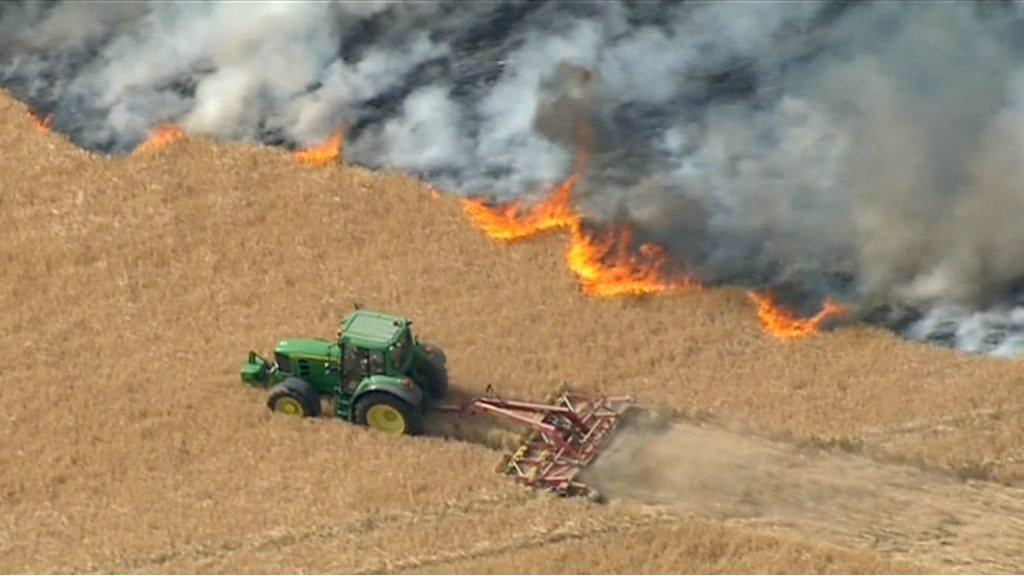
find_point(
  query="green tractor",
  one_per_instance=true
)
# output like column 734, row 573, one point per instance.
column 377, row 372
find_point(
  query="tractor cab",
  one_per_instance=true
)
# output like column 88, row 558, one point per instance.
column 373, row 343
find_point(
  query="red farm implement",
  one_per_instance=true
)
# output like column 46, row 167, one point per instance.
column 566, row 434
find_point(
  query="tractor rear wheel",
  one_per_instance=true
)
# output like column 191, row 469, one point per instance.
column 294, row 397
column 433, row 374
column 388, row 414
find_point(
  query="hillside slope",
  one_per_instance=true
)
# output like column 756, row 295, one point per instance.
column 133, row 286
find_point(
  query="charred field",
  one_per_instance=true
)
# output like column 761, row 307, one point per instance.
column 132, row 286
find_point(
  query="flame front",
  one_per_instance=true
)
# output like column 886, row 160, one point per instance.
column 511, row 222
column 160, row 136
column 603, row 262
column 322, row 154
column 784, row 324
column 42, row 124
column 606, row 267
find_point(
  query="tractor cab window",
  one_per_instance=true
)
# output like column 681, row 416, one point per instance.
column 400, row 351
column 376, row 362
column 358, row 363
column 354, row 365
column 284, row 363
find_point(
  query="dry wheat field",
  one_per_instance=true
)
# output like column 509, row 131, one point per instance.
column 131, row 288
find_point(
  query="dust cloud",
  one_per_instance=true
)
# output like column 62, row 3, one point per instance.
column 841, row 497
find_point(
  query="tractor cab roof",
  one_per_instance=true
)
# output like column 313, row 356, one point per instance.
column 369, row 329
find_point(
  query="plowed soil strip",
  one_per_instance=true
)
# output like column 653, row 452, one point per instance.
column 841, row 498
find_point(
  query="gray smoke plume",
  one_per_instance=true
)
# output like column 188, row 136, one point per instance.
column 868, row 151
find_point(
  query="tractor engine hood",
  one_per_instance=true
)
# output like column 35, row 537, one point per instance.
column 307, row 348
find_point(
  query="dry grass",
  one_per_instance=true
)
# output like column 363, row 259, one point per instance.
column 132, row 287
column 692, row 547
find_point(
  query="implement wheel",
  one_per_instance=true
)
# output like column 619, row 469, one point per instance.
column 294, row 397
column 388, row 413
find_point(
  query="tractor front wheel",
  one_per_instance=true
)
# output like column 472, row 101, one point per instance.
column 388, row 413
column 294, row 397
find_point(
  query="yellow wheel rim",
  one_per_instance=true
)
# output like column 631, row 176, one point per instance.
column 288, row 405
column 386, row 419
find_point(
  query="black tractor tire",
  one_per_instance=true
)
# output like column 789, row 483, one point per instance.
column 373, row 406
column 433, row 374
column 304, row 399
column 437, row 353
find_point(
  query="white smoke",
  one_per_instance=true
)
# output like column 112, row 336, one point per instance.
column 345, row 86
column 870, row 151
column 998, row 332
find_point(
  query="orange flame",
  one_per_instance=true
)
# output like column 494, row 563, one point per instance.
column 785, row 325
column 510, row 222
column 606, row 267
column 42, row 124
column 160, row 136
column 323, row 154
column 603, row 263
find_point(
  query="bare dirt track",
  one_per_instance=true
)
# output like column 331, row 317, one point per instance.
column 130, row 289
column 838, row 496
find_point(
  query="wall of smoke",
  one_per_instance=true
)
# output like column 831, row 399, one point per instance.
column 871, row 151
